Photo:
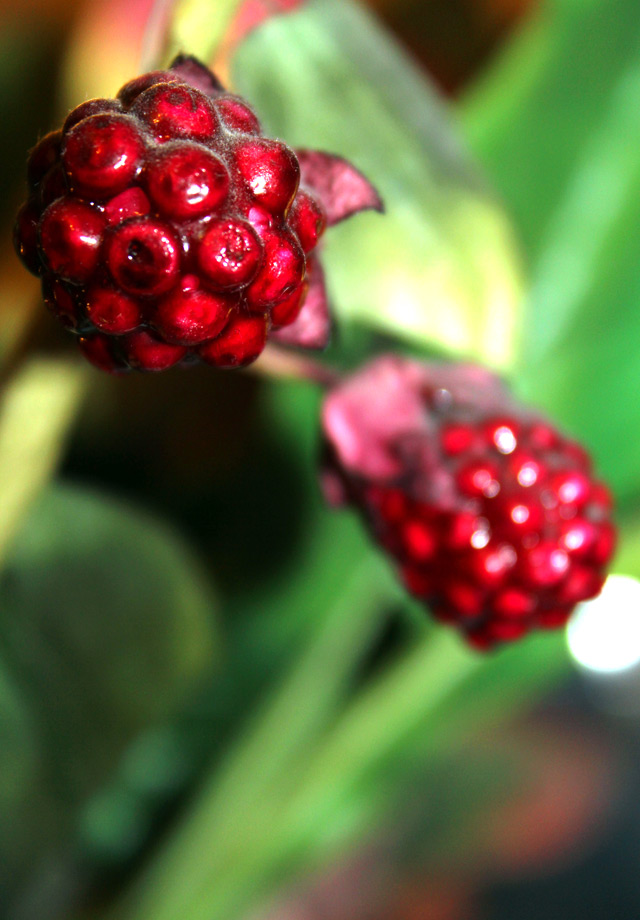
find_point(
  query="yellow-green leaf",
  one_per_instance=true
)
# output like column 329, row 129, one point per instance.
column 441, row 268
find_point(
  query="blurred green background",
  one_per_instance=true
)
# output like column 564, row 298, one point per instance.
column 215, row 701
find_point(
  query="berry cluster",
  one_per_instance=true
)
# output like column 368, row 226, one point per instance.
column 166, row 228
column 493, row 516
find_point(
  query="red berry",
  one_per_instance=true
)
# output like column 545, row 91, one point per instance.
column 145, row 352
column 90, row 107
column 185, row 181
column 578, row 537
column 53, row 186
column 419, row 539
column 572, row 487
column 143, row 256
column 479, row 479
column 605, row 543
column 542, row 436
column 308, row 220
column 102, row 154
column 70, row 239
column 131, row 203
column 467, row 599
column 545, row 565
column 99, row 350
column 229, row 253
column 553, row 618
column 281, row 273
column 239, row 344
column 176, row 111
column 236, row 115
column 166, row 209
column 271, row 172
column 288, row 310
column 489, row 512
column 191, row 316
column 112, row 311
column 514, row 602
column 526, row 468
column 131, row 90
column 458, row 438
column 44, row 155
column 521, row 514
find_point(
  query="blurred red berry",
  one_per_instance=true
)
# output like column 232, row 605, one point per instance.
column 493, row 517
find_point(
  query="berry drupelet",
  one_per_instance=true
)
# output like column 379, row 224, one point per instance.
column 166, row 228
column 493, row 518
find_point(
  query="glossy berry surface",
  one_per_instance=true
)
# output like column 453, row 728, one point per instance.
column 166, row 228
column 493, row 517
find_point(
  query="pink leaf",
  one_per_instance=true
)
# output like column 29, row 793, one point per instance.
column 196, row 74
column 377, row 424
column 312, row 328
column 340, row 187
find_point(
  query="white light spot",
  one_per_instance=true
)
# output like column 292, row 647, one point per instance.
column 480, row 538
column 520, row 514
column 259, row 184
column 505, row 440
column 573, row 540
column 559, row 561
column 604, row 634
column 527, row 475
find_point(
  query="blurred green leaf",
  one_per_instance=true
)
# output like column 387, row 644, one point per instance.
column 346, row 782
column 315, row 768
column 199, row 26
column 18, row 750
column 21, row 808
column 238, row 801
column 106, row 623
column 431, row 701
column 38, row 406
column 440, row 268
column 557, row 123
column 627, row 557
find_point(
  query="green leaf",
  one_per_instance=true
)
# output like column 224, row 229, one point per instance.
column 440, row 268
column 18, row 752
column 23, row 814
column 106, row 624
column 627, row 557
column 342, row 787
column 240, row 801
column 557, row 123
column 429, row 702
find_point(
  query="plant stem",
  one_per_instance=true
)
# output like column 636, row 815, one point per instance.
column 280, row 363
